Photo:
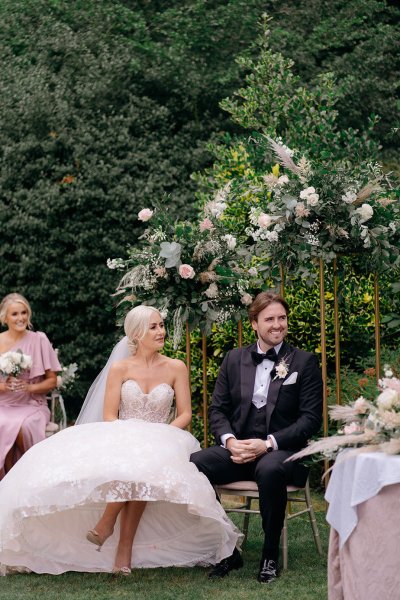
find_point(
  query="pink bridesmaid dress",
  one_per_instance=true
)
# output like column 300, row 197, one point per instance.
column 24, row 410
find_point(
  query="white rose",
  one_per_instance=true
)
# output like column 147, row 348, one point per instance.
column 246, row 299
column 230, row 241
column 145, row 214
column 253, row 272
column 283, row 179
column 349, row 197
column 364, row 213
column 387, row 398
column 312, row 199
column 26, row 361
column 264, row 221
column 6, row 365
column 305, row 193
column 16, row 357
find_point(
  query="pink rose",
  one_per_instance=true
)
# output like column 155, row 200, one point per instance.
column 145, row 214
column 206, row 225
column 186, row 272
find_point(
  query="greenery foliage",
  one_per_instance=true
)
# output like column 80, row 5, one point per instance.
column 190, row 269
column 107, row 106
column 96, row 119
column 358, row 41
column 323, row 210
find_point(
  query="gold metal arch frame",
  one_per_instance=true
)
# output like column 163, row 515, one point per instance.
column 336, row 313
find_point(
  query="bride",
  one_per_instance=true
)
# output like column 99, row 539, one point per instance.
column 124, row 486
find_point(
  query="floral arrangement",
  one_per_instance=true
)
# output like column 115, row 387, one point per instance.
column 368, row 425
column 320, row 210
column 67, row 376
column 196, row 270
column 281, row 369
column 13, row 363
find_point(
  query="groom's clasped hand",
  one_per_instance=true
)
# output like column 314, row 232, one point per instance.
column 243, row 451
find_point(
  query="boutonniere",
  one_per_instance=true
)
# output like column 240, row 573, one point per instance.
column 281, row 369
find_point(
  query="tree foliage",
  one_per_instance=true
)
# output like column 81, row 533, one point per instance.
column 107, row 105
column 357, row 40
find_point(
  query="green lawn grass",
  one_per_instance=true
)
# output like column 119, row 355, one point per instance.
column 305, row 578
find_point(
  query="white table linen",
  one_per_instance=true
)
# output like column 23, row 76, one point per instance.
column 356, row 478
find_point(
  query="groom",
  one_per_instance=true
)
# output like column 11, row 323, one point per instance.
column 267, row 403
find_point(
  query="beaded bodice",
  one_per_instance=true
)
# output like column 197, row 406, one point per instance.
column 154, row 406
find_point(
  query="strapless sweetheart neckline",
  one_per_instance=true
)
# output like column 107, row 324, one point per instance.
column 151, row 391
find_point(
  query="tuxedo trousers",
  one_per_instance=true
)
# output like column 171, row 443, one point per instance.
column 271, row 474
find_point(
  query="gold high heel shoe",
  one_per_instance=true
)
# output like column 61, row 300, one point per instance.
column 125, row 571
column 93, row 537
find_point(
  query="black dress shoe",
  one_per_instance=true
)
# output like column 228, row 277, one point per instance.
column 269, row 571
column 221, row 569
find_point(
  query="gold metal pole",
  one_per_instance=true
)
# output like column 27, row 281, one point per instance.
column 377, row 329
column 240, row 333
column 282, row 276
column 323, row 344
column 205, row 395
column 188, row 363
column 337, row 332
column 323, row 355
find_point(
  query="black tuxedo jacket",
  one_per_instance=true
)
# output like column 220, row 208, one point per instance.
column 294, row 410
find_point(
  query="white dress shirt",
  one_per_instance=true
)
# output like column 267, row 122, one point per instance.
column 260, row 392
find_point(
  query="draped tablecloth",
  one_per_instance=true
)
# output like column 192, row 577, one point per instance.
column 364, row 514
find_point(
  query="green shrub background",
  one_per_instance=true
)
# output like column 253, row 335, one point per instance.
column 107, row 105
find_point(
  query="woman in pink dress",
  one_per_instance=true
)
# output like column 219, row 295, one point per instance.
column 24, row 413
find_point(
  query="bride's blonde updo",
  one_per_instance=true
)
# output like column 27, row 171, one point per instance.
column 136, row 325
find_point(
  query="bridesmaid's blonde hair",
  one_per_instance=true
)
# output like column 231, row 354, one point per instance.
column 9, row 299
column 136, row 324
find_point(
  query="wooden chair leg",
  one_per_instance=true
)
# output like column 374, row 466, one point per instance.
column 246, row 520
column 313, row 521
column 285, row 544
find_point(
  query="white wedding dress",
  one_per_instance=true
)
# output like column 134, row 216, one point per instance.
column 58, row 490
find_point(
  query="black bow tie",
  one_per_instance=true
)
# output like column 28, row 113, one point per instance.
column 258, row 358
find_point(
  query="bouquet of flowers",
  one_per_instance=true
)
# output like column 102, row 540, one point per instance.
column 13, row 363
column 372, row 426
column 194, row 269
column 320, row 210
column 67, row 376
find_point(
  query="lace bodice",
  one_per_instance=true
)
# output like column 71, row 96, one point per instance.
column 154, row 406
